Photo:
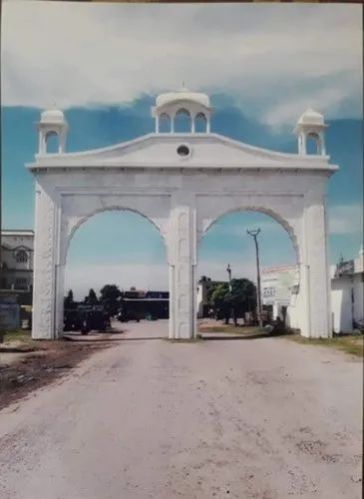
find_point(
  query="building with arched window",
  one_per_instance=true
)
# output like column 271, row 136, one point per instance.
column 16, row 264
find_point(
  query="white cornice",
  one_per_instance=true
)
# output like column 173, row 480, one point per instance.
column 135, row 154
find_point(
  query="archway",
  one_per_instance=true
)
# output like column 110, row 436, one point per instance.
column 124, row 250
column 52, row 142
column 182, row 182
column 313, row 143
column 164, row 123
column 200, row 123
column 227, row 252
column 182, row 121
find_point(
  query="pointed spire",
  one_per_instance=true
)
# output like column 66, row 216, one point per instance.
column 183, row 88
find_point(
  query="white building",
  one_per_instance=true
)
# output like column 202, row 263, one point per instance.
column 16, row 264
column 347, row 297
column 277, row 285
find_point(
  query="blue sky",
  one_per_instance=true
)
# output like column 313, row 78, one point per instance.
column 260, row 76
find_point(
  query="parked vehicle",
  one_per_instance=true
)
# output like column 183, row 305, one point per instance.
column 129, row 315
column 86, row 318
column 359, row 324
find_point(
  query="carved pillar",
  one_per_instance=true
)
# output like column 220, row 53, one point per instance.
column 62, row 247
column 303, row 313
column 43, row 326
column 59, row 300
column 182, row 261
column 316, row 275
column 157, row 124
column 208, row 125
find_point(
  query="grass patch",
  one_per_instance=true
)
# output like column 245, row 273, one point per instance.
column 197, row 339
column 18, row 341
column 231, row 329
column 352, row 344
column 17, row 335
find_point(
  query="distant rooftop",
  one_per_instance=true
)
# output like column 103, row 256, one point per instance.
column 17, row 232
column 278, row 268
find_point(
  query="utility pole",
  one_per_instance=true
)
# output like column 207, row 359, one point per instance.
column 232, row 313
column 228, row 270
column 254, row 234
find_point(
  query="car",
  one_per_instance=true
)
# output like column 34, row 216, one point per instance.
column 86, row 318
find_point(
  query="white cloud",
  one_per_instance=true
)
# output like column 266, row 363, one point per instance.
column 326, row 100
column 82, row 54
column 346, row 219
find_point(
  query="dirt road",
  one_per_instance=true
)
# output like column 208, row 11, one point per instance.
column 147, row 418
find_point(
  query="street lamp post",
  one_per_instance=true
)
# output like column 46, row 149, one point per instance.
column 254, row 234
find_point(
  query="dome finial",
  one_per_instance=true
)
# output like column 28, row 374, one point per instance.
column 183, row 88
column 52, row 121
column 168, row 106
column 311, row 124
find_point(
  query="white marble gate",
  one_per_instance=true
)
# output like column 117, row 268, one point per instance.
column 182, row 183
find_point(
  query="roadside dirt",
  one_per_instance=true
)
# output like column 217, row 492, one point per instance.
column 263, row 418
column 32, row 367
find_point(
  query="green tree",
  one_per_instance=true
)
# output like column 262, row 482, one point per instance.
column 110, row 298
column 241, row 299
column 91, row 298
column 68, row 301
column 243, row 296
column 221, row 300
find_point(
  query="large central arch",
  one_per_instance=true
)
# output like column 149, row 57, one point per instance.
column 182, row 183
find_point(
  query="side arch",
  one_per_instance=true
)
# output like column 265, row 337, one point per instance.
column 200, row 123
column 69, row 226
column 78, row 221
column 76, row 208
column 275, row 215
column 164, row 123
column 289, row 216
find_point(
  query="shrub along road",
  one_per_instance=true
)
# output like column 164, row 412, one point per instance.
column 148, row 418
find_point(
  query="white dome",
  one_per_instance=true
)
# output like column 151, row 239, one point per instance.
column 311, row 117
column 182, row 95
column 52, row 116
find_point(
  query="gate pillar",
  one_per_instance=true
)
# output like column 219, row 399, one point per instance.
column 45, row 237
column 182, row 262
column 317, row 277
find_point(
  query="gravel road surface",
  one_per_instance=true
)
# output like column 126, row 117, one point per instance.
column 148, row 418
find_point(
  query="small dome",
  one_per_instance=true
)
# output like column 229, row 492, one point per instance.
column 52, row 116
column 182, row 95
column 311, row 117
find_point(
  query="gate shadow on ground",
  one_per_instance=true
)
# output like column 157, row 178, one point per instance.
column 224, row 336
column 144, row 338
column 79, row 338
column 92, row 336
